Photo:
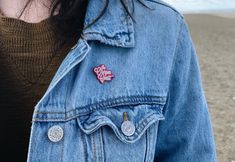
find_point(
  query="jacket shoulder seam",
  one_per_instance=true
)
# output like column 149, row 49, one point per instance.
column 167, row 5
column 179, row 33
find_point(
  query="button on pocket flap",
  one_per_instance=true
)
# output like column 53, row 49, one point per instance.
column 128, row 122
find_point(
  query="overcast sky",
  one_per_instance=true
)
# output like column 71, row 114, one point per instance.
column 203, row 5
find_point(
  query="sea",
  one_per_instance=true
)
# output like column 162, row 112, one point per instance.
column 203, row 6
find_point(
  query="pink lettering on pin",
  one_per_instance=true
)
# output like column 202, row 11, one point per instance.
column 102, row 74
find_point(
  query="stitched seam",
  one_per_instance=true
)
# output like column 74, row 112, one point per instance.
column 146, row 149
column 176, row 47
column 67, row 91
column 63, row 119
column 100, row 150
column 94, row 146
column 167, row 5
column 174, row 56
column 84, row 145
column 157, row 128
column 149, row 137
column 106, row 36
column 68, row 118
column 62, row 151
column 129, row 98
column 142, row 125
column 102, row 138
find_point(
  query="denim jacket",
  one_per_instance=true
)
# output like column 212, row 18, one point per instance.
column 126, row 92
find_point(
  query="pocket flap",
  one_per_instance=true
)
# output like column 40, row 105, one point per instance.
column 141, row 115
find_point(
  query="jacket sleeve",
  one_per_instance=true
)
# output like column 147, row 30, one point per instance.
column 186, row 133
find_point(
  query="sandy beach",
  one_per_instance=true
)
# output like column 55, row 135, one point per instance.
column 214, row 38
column 225, row 15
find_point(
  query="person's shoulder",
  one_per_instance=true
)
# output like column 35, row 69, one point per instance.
column 161, row 25
column 158, row 14
column 159, row 7
column 155, row 16
column 165, row 7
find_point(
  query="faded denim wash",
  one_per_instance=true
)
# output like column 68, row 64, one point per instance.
column 157, row 83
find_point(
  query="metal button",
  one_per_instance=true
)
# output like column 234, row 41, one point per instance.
column 55, row 133
column 127, row 127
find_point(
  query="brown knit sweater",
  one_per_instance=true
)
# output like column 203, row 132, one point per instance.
column 29, row 58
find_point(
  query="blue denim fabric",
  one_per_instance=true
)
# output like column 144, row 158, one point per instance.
column 157, row 83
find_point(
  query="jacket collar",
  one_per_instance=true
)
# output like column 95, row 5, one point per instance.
column 113, row 28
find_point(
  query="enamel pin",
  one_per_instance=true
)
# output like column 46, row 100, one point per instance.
column 102, row 74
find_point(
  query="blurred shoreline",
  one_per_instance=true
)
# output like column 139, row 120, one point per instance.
column 218, row 14
column 222, row 12
column 225, row 15
column 214, row 38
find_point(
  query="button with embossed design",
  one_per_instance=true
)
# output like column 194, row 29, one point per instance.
column 55, row 133
column 127, row 127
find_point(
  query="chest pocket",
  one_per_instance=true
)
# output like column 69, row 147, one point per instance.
column 121, row 133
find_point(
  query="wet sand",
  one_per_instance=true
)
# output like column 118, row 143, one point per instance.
column 214, row 38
